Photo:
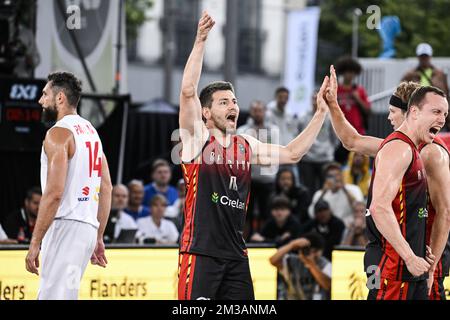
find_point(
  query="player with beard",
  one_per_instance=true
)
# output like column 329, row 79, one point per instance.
column 76, row 197
column 435, row 157
column 216, row 164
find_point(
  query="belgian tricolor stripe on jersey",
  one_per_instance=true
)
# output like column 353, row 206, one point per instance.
column 409, row 206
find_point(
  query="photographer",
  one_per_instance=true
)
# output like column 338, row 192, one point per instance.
column 339, row 195
column 306, row 272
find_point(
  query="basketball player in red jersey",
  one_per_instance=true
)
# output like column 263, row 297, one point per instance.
column 436, row 160
column 216, row 164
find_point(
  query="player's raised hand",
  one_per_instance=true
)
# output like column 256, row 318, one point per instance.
column 204, row 26
column 331, row 91
column 321, row 103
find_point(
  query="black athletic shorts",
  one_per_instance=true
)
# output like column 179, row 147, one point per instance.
column 207, row 278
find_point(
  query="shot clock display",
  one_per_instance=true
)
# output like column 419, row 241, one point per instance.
column 21, row 128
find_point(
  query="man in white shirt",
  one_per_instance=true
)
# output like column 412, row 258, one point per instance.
column 155, row 227
column 340, row 196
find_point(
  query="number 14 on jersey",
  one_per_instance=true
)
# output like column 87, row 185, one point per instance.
column 95, row 162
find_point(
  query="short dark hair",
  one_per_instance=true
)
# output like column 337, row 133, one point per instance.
column 32, row 191
column 317, row 240
column 69, row 84
column 208, row 91
column 418, row 96
column 281, row 89
column 331, row 166
column 321, row 205
column 347, row 63
column 159, row 163
column 280, row 202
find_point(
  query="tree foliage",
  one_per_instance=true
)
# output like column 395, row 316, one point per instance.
column 135, row 15
column 421, row 21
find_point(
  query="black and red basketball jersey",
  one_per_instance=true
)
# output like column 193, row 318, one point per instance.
column 443, row 266
column 410, row 209
column 217, row 194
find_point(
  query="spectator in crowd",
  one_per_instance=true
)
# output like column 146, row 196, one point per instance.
column 174, row 212
column 299, row 197
column 263, row 177
column 282, row 227
column 306, row 272
column 355, row 234
column 20, row 223
column 156, row 229
column 30, row 58
column 358, row 172
column 4, row 238
column 320, row 153
column 329, row 226
column 425, row 73
column 340, row 196
column 118, row 219
column 135, row 208
column 352, row 99
column 161, row 175
column 21, row 51
column 286, row 123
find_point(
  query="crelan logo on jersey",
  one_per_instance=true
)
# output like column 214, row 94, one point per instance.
column 224, row 200
column 423, row 213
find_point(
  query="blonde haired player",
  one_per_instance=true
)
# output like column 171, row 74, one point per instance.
column 77, row 194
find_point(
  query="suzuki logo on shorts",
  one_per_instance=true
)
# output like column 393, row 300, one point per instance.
column 23, row 92
column 85, row 192
column 233, row 183
column 224, row 200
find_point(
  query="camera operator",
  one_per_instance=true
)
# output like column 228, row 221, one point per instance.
column 339, row 195
column 307, row 274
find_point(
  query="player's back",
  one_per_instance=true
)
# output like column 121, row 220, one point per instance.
column 410, row 209
column 80, row 198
